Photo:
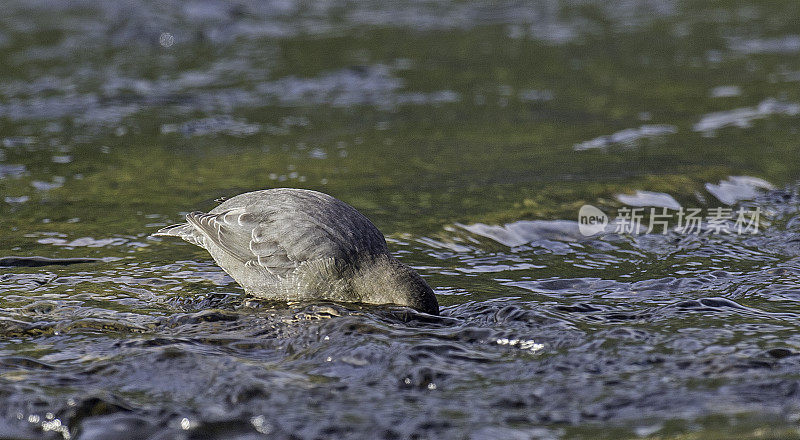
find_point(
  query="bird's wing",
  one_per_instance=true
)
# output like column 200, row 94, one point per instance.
column 274, row 239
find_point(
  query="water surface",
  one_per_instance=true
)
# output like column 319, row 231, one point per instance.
column 471, row 133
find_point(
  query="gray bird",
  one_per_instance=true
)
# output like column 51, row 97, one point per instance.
column 298, row 245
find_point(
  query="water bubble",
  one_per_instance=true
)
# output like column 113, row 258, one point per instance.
column 261, row 424
column 166, row 39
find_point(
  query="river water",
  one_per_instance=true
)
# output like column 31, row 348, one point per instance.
column 471, row 133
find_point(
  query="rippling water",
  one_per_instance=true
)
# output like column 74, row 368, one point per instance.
column 471, row 133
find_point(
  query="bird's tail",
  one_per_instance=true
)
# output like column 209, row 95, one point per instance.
column 186, row 231
column 179, row 230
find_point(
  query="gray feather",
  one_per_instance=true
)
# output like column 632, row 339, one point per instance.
column 290, row 244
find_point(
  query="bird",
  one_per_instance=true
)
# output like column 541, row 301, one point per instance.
column 289, row 244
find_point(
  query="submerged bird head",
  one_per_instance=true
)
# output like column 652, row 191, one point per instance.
column 386, row 280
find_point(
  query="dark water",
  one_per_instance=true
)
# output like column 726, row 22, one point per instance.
column 471, row 133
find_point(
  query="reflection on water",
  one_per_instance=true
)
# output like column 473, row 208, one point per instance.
column 736, row 188
column 472, row 133
column 649, row 198
column 627, row 137
column 743, row 117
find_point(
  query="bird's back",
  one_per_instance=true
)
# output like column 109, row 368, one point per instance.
column 285, row 243
column 308, row 224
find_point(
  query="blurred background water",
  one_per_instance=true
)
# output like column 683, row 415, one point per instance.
column 471, row 133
